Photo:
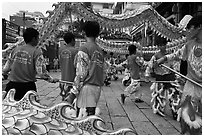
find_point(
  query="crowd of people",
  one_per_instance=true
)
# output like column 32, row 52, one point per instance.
column 88, row 68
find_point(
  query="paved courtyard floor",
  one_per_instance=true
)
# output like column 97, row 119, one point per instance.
column 138, row 116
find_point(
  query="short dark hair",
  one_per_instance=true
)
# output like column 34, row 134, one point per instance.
column 132, row 49
column 195, row 21
column 68, row 37
column 29, row 34
column 91, row 28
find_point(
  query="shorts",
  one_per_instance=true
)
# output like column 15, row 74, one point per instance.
column 21, row 88
column 88, row 96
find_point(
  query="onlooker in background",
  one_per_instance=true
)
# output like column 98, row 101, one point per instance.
column 106, row 68
column 112, row 69
column 47, row 63
column 55, row 63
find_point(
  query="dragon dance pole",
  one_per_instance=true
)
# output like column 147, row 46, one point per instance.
column 61, row 81
column 66, row 82
column 182, row 75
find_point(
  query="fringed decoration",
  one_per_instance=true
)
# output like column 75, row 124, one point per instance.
column 160, row 95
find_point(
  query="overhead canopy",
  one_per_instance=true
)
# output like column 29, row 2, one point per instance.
column 137, row 18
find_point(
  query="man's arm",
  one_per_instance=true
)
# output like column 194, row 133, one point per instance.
column 7, row 67
column 179, row 54
column 82, row 64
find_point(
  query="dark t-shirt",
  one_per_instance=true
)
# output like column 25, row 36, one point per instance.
column 23, row 60
column 66, row 60
column 95, row 72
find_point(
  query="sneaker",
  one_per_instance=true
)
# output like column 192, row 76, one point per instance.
column 123, row 98
column 137, row 100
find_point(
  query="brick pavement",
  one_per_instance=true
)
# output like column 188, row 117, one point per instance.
column 138, row 116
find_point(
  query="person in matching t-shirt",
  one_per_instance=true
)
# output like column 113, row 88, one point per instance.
column 89, row 71
column 135, row 62
column 24, row 63
column 67, row 55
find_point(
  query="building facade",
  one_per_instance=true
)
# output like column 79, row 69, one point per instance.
column 27, row 19
column 10, row 31
column 103, row 7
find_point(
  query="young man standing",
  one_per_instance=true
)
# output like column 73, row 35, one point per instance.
column 67, row 55
column 89, row 72
column 24, row 63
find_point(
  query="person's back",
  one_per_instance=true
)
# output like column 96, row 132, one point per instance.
column 95, row 74
column 23, row 58
column 89, row 72
column 67, row 53
column 67, row 56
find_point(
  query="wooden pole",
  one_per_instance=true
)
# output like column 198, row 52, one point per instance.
column 182, row 75
column 156, row 81
column 61, row 81
column 67, row 82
